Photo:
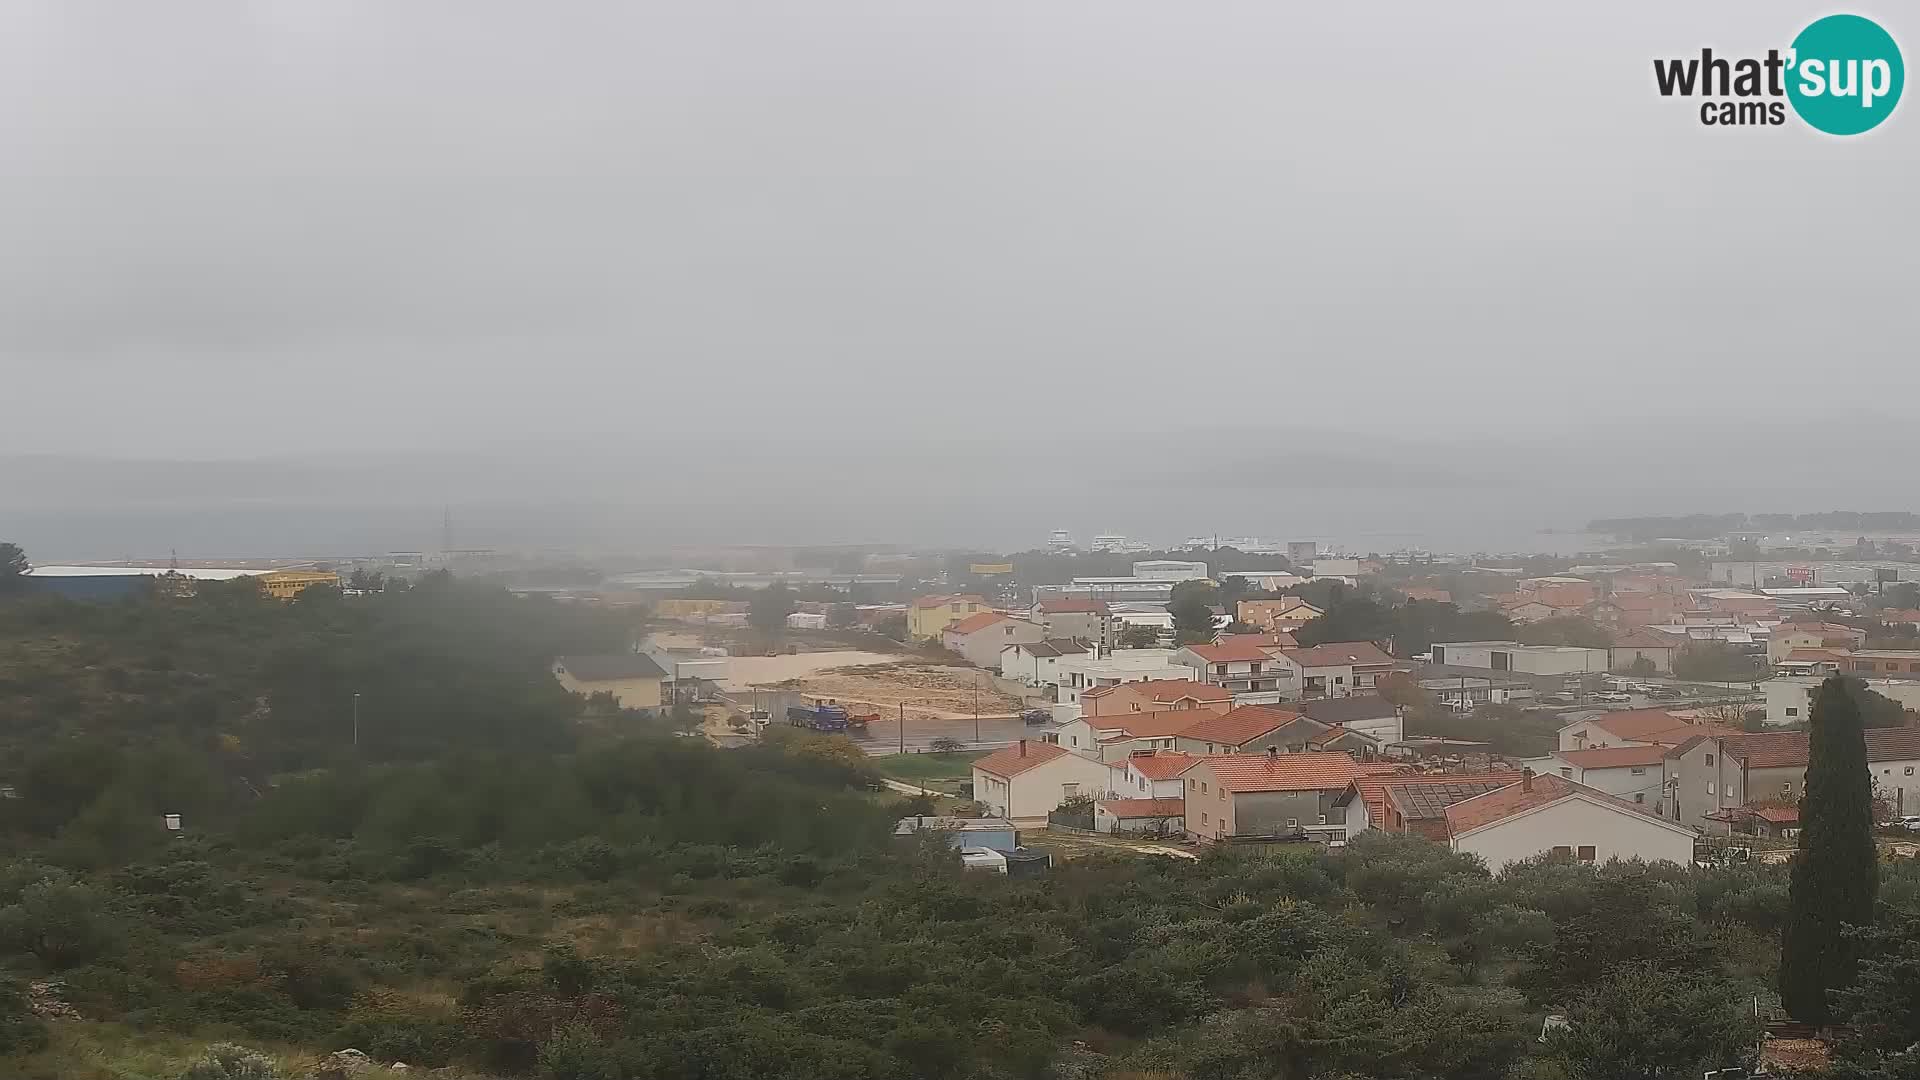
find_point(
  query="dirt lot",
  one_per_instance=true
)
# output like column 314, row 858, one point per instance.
column 929, row 691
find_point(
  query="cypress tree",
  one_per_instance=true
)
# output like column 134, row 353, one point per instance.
column 1836, row 871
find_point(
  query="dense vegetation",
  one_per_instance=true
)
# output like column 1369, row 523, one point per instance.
column 534, row 894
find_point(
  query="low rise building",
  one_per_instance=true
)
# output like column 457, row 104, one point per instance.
column 634, row 680
column 1639, row 649
column 991, row 833
column 1416, row 803
column 1367, row 714
column 1883, row 663
column 927, row 616
column 1528, row 659
column 1079, row 674
column 1239, row 666
column 979, row 638
column 1038, row 663
column 1334, row 669
column 1253, row 796
column 1790, row 697
column 1552, row 815
column 1776, row 766
column 1154, row 695
column 1090, row 621
column 1789, row 636
column 1028, row 780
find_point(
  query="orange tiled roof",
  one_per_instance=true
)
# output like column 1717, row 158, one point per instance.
column 1010, row 761
column 1158, row 764
column 976, row 622
column 1655, row 726
column 1145, row 808
column 1613, row 757
column 1482, row 810
column 1242, row 773
column 1229, row 652
column 1157, row 724
column 1239, row 725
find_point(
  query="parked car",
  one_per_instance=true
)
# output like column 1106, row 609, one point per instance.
column 1911, row 823
column 1613, row 696
column 1558, row 699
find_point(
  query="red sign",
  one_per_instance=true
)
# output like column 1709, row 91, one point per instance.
column 1801, row 574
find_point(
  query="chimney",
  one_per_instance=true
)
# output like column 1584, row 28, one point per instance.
column 1273, row 753
column 1526, row 779
column 1023, row 748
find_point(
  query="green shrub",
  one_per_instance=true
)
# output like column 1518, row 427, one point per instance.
column 225, row 1061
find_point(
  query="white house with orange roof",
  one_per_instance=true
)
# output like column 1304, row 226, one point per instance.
column 1636, row 727
column 1333, row 669
column 980, row 637
column 1149, row 774
column 1551, row 815
column 1027, row 780
column 1112, row 738
column 1154, row 695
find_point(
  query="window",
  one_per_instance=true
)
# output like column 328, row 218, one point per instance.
column 1709, row 787
column 1786, row 787
column 1293, row 823
column 1586, row 852
column 1709, row 759
column 1203, row 787
column 1637, row 770
column 1640, row 797
column 1791, row 711
column 1339, row 680
column 1568, row 773
column 1223, row 794
column 1203, row 817
column 1069, row 790
column 1192, row 783
column 1562, row 849
column 1323, row 819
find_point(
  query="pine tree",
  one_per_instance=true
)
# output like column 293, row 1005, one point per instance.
column 1836, row 871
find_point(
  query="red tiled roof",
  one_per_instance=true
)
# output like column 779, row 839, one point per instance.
column 1779, row 815
column 1789, row 749
column 1229, row 652
column 1338, row 654
column 1145, row 808
column 1011, row 761
column 1433, row 787
column 1158, row 764
column 1613, row 757
column 1243, row 773
column 1237, row 726
column 976, row 622
column 1156, row 724
column 1656, row 726
column 1483, row 810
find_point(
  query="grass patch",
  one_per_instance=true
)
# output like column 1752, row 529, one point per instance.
column 921, row 768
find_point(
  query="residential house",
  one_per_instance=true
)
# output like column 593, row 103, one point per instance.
column 1334, row 669
column 1789, row 636
column 1628, row 610
column 1246, row 729
column 1776, row 766
column 1421, row 592
column 980, row 637
column 1687, row 782
column 1270, row 615
column 1367, row 714
column 1026, row 781
column 927, row 616
column 1146, row 817
column 1242, row 667
column 1550, row 814
column 1528, row 610
column 1636, row 727
column 633, row 679
column 1790, row 698
column 1775, row 820
column 1090, row 621
column 1733, row 602
column 1153, row 695
column 1112, row 738
column 1250, row 796
column 1149, row 774
column 1037, row 663
column 1416, row 803
column 1884, row 663
column 1079, row 674
column 1568, row 593
column 1635, row 645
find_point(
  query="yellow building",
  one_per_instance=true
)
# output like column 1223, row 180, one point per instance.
column 675, row 607
column 928, row 615
column 633, row 679
column 287, row 584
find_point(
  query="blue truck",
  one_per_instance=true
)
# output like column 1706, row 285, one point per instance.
column 820, row 716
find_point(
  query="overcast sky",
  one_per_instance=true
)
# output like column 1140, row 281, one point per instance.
column 321, row 229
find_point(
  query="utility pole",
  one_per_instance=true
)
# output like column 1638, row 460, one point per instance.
column 903, row 727
column 976, row 710
column 356, row 719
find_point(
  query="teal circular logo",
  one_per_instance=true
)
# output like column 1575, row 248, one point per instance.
column 1846, row 74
